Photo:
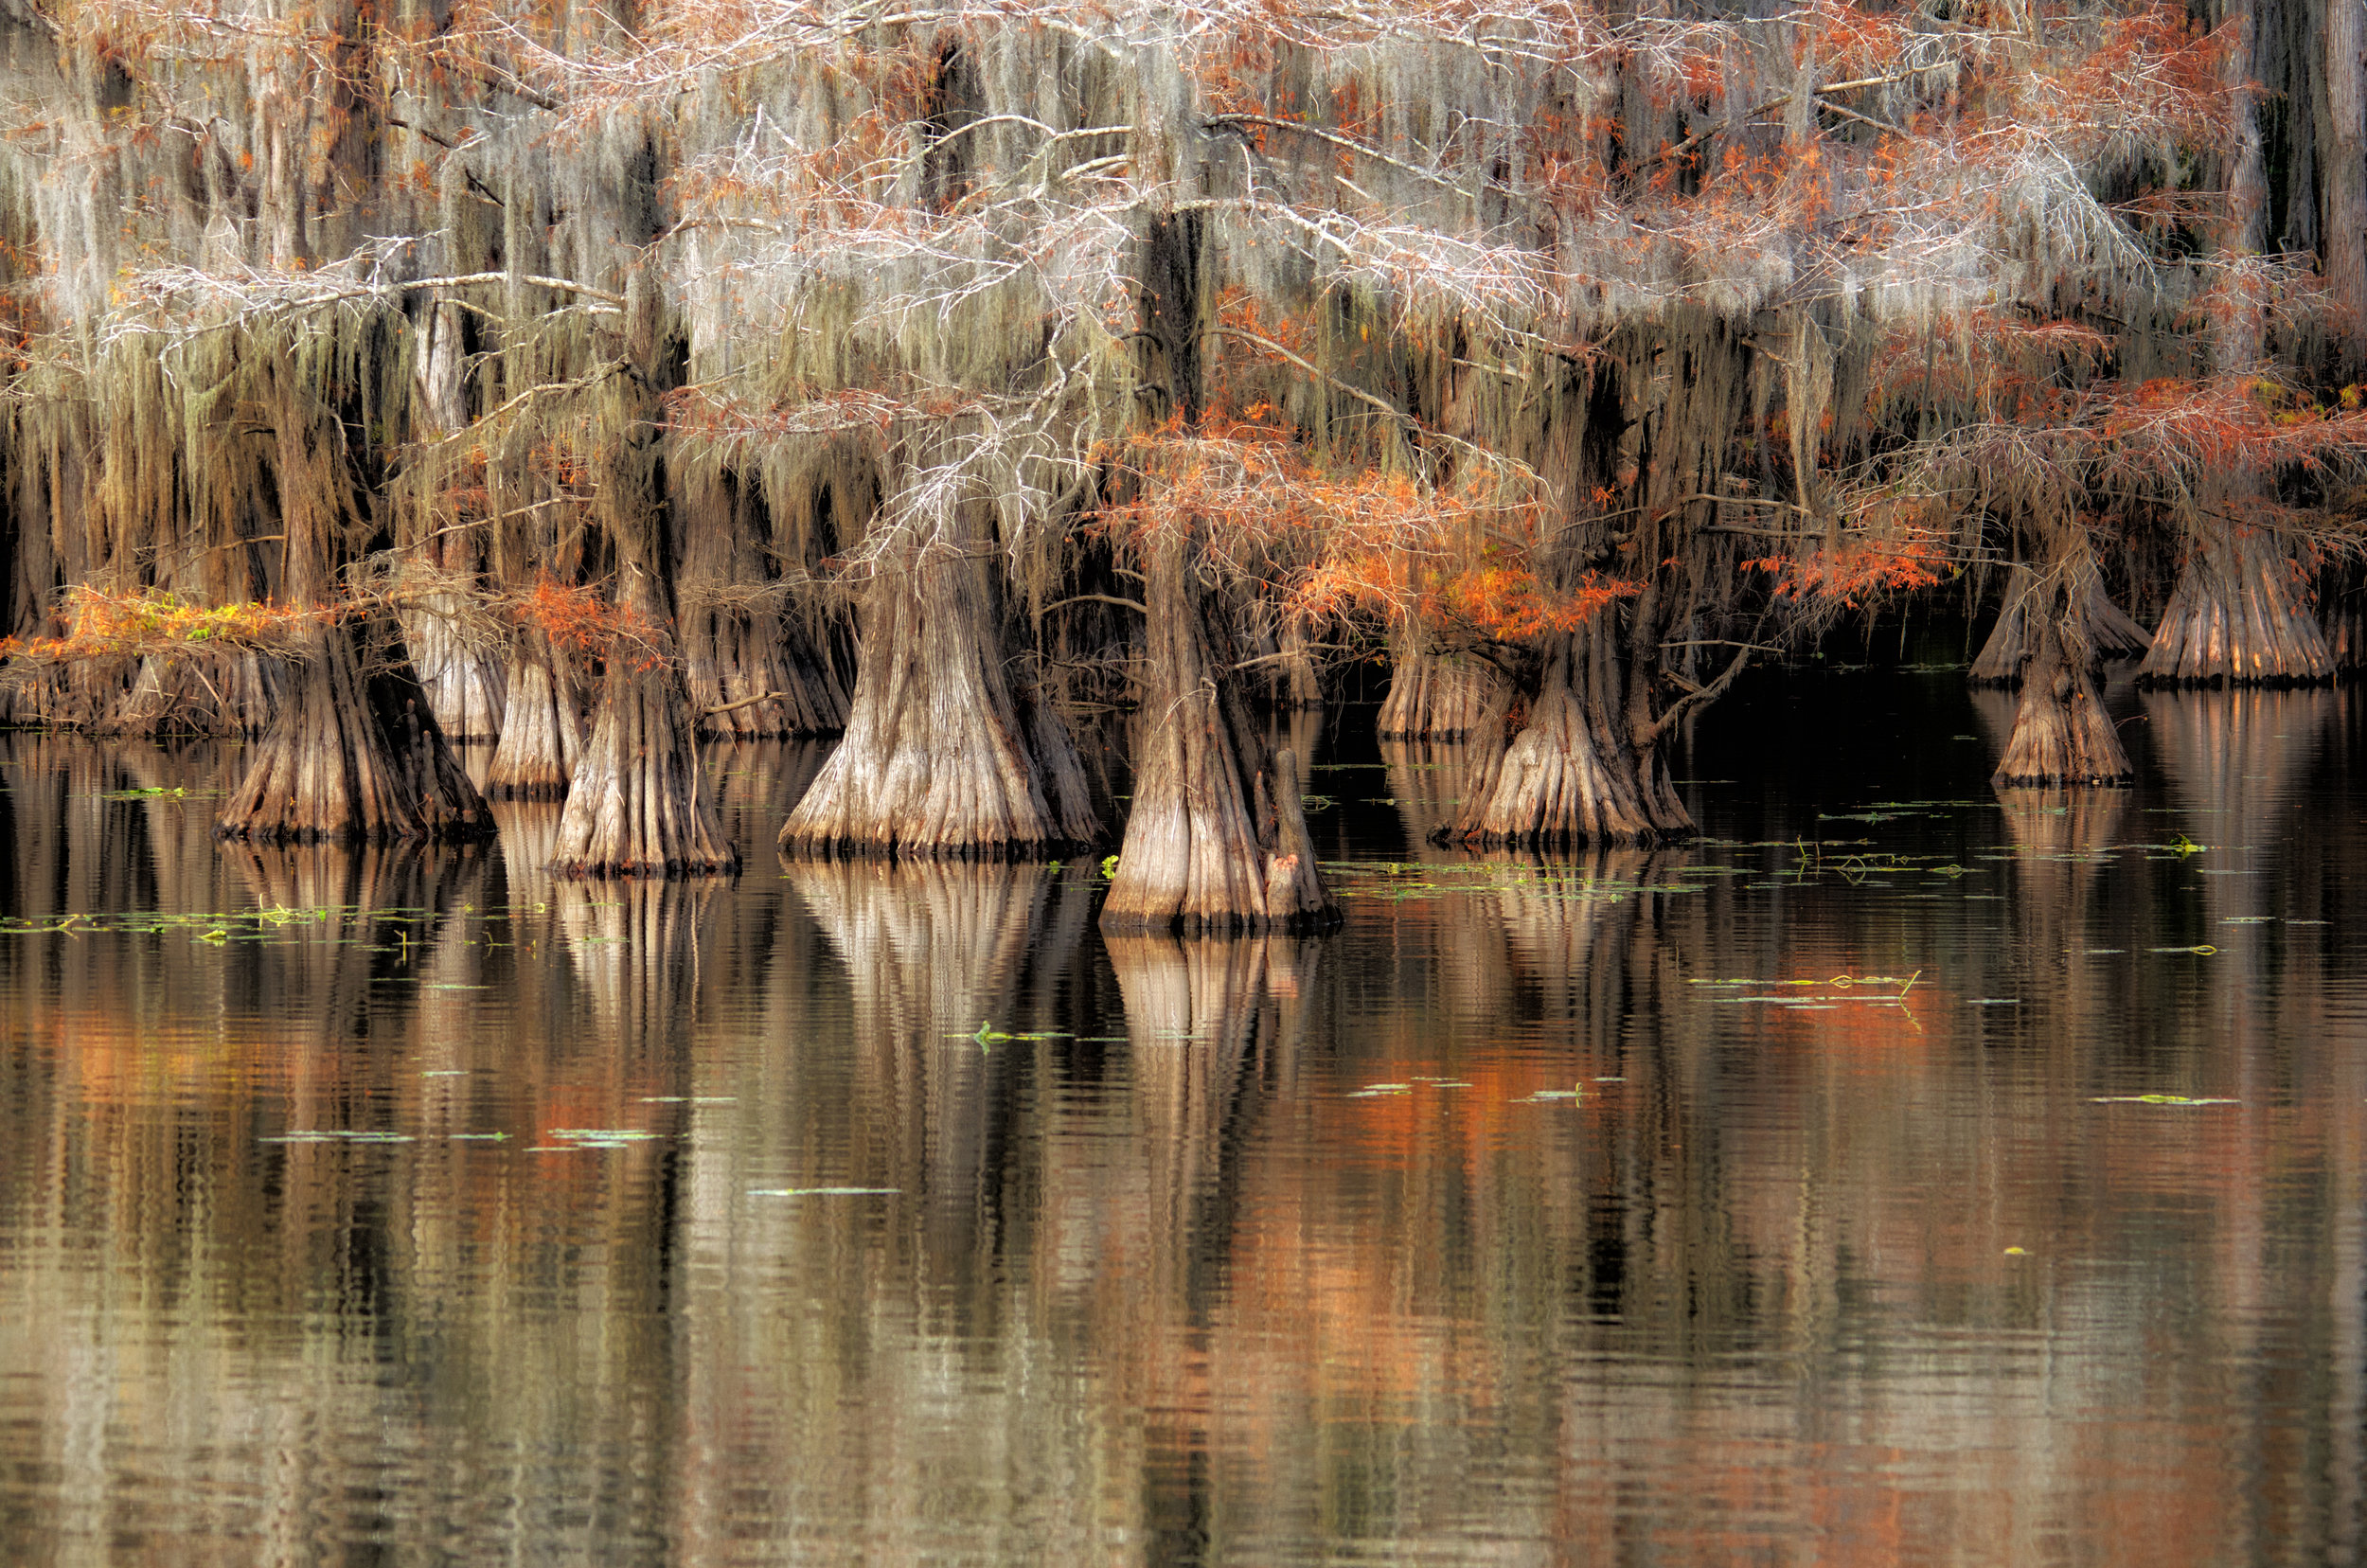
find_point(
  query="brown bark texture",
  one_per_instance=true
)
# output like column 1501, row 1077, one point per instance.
column 639, row 804
column 541, row 739
column 2343, row 620
column 755, row 672
column 1292, row 683
column 755, row 676
column 2343, row 169
column 1218, row 839
column 233, row 694
column 464, row 685
column 2061, row 734
column 1440, row 695
column 1587, row 768
column 2240, row 616
column 939, row 757
column 353, row 756
column 2116, row 633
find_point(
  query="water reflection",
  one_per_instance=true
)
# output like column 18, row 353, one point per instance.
column 1859, row 1198
column 1427, row 781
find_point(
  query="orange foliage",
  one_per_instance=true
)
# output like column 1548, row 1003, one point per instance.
column 1860, row 566
column 147, row 621
column 578, row 620
column 1505, row 603
column 1363, row 541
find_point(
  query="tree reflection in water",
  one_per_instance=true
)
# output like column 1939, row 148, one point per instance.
column 1621, row 1203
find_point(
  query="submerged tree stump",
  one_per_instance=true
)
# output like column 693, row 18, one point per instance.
column 2240, row 616
column 1218, row 839
column 353, row 756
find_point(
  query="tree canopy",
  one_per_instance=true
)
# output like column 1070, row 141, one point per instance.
column 1594, row 347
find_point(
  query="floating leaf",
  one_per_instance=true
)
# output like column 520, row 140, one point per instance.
column 2161, row 1100
column 340, row 1135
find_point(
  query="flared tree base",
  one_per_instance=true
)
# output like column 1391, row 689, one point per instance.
column 1572, row 775
column 1216, row 842
column 2062, row 737
column 752, row 686
column 2240, row 616
column 639, row 804
column 1441, row 697
column 2113, row 633
column 350, row 758
column 464, row 685
column 540, row 741
column 941, row 760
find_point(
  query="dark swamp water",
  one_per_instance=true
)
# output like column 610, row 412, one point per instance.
column 1622, row 1207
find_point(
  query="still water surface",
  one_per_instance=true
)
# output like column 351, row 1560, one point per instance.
column 1904, row 1174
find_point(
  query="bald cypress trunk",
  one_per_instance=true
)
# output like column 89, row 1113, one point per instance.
column 353, row 750
column 353, row 754
column 195, row 694
column 2061, row 734
column 2240, row 616
column 2342, row 168
column 2116, row 634
column 542, row 739
column 758, row 676
column 639, row 804
column 1439, row 695
column 1291, row 683
column 464, row 686
column 940, row 757
column 754, row 671
column 1586, row 768
column 1216, row 840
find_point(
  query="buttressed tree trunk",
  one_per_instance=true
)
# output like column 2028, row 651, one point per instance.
column 463, row 679
column 542, row 741
column 1439, row 695
column 2061, row 734
column 2117, row 634
column 939, row 757
column 353, row 754
column 754, row 672
column 463, row 686
column 1217, row 840
column 2240, row 616
column 639, row 804
column 353, row 751
column 1587, row 769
